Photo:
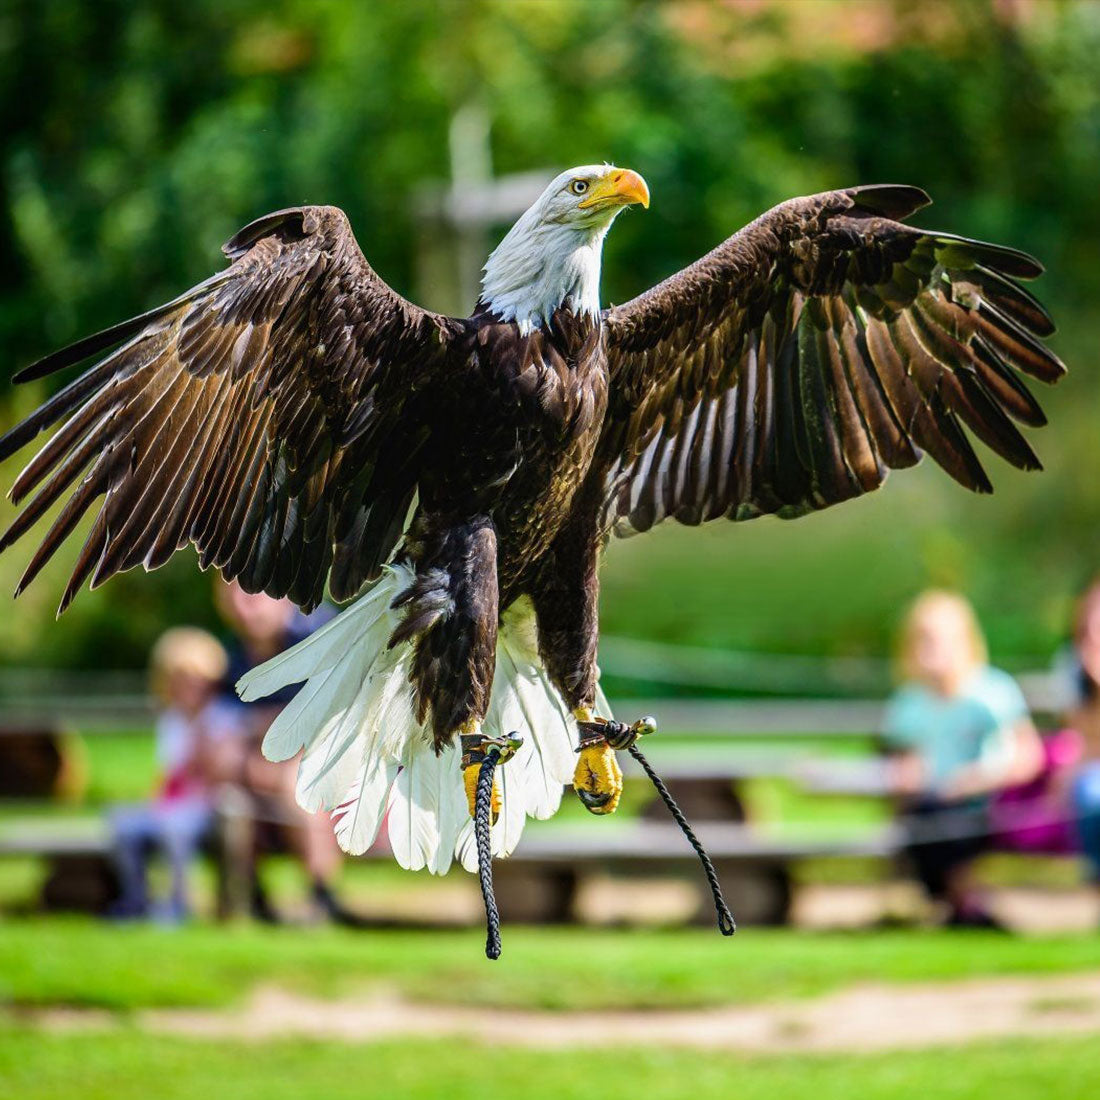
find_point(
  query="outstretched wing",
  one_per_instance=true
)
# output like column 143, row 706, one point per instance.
column 812, row 352
column 268, row 416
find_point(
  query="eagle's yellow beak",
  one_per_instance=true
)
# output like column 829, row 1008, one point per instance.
column 619, row 188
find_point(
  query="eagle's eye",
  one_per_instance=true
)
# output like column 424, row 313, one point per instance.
column 578, row 187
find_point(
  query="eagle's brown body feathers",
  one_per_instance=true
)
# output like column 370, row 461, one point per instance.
column 501, row 470
column 284, row 415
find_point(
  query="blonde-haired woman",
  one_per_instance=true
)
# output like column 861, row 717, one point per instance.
column 959, row 731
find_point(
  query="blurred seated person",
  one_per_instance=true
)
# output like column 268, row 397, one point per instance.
column 1082, row 671
column 959, row 732
column 194, row 730
column 263, row 627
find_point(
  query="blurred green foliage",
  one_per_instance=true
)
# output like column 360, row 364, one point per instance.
column 137, row 136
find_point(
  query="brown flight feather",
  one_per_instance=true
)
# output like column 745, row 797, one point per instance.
column 856, row 342
column 221, row 413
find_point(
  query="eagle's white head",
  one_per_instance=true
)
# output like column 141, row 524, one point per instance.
column 551, row 256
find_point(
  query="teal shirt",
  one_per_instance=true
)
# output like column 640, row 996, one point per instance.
column 950, row 733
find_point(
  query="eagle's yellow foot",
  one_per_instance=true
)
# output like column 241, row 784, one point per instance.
column 469, row 781
column 475, row 747
column 598, row 779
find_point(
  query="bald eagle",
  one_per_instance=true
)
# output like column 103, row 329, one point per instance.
column 305, row 426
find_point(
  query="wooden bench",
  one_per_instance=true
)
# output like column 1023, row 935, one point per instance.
column 80, row 872
column 541, row 880
column 78, row 851
column 538, row 883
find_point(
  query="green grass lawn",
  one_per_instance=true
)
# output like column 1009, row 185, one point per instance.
column 50, row 961
column 127, row 1064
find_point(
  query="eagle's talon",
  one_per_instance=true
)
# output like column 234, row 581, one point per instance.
column 592, row 801
column 598, row 780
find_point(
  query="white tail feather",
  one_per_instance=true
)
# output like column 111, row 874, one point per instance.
column 427, row 808
column 314, row 712
column 365, row 753
column 359, row 732
column 357, row 821
column 329, row 770
column 321, row 650
column 524, row 701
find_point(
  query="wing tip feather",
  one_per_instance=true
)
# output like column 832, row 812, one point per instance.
column 892, row 200
column 1001, row 258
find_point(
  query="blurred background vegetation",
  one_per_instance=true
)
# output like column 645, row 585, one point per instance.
column 136, row 137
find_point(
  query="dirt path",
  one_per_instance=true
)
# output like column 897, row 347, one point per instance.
column 858, row 1019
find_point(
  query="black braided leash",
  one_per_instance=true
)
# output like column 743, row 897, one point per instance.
column 619, row 735
column 726, row 924
column 487, row 752
column 483, row 808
